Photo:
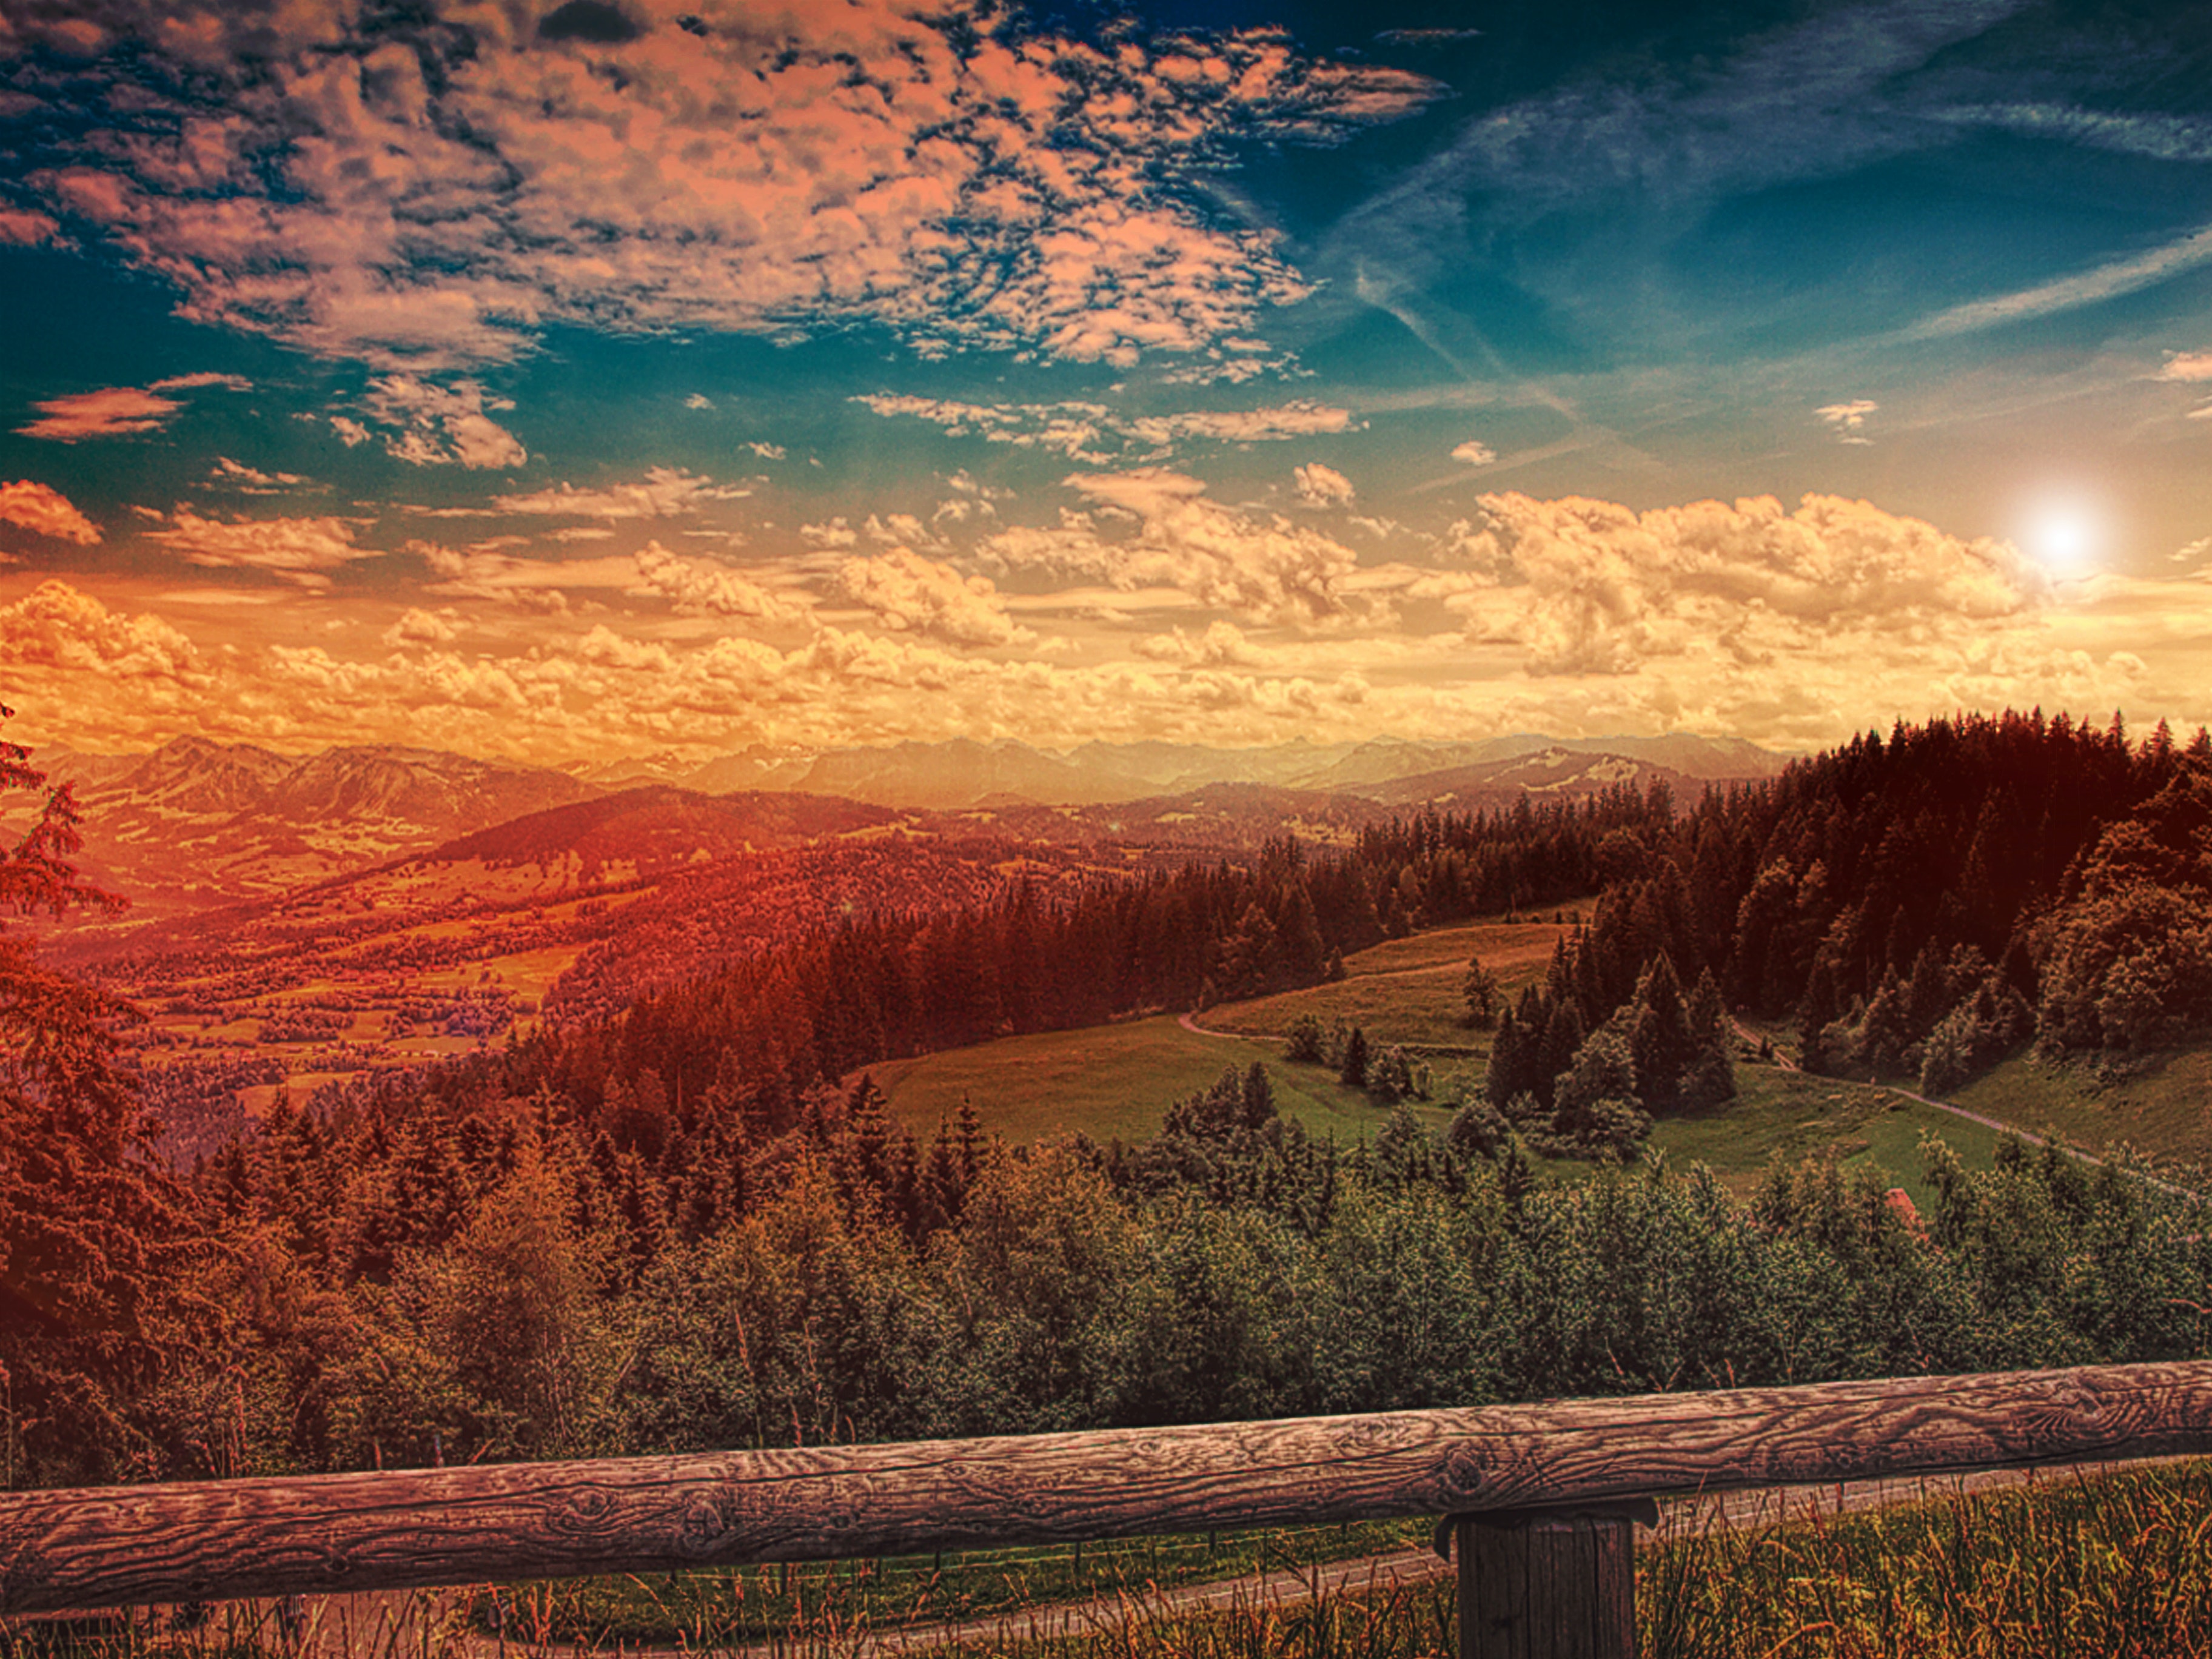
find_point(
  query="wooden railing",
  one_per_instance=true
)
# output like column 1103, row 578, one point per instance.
column 1543, row 1494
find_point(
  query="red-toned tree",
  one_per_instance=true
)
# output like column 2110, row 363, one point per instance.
column 89, row 1224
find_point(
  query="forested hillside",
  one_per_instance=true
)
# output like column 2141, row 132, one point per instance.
column 694, row 1221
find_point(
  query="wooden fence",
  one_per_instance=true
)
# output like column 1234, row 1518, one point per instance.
column 1544, row 1495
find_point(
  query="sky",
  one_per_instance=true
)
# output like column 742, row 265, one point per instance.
column 673, row 376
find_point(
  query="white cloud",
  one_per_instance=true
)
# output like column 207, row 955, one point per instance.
column 40, row 507
column 431, row 425
column 1592, row 587
column 698, row 588
column 956, row 177
column 698, row 400
column 1267, row 570
column 299, row 550
column 665, row 492
column 834, row 533
column 2187, row 365
column 914, row 594
column 1097, row 434
column 1323, row 486
column 2105, row 282
column 1848, row 420
column 1474, row 452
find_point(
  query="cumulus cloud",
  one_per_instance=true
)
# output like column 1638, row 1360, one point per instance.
column 831, row 533
column 2187, row 365
column 914, row 594
column 1848, row 420
column 416, row 626
column 426, row 424
column 701, row 589
column 1265, row 569
column 118, row 411
column 56, row 627
column 1219, row 644
column 1593, row 587
column 1323, row 486
column 1474, row 452
column 37, row 507
column 1095, row 433
column 767, row 451
column 430, row 186
column 665, row 492
column 299, row 550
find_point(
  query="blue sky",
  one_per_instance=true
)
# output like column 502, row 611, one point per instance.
column 606, row 378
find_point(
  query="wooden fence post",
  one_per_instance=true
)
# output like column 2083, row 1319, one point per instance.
column 1534, row 1583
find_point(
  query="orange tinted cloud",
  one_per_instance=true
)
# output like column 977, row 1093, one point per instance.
column 300, row 550
column 36, row 506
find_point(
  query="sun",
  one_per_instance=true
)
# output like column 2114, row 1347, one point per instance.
column 2065, row 536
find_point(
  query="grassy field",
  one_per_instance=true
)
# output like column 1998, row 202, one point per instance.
column 1789, row 1115
column 1407, row 990
column 1116, row 1080
column 2163, row 1108
column 1108, row 1081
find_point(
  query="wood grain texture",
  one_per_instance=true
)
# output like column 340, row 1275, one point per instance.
column 113, row 1547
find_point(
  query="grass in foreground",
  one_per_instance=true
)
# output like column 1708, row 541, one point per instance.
column 2116, row 1566
column 718, row 1608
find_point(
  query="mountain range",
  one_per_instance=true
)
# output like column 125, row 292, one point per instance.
column 196, row 823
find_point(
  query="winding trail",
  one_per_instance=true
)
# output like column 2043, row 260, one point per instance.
column 1783, row 1062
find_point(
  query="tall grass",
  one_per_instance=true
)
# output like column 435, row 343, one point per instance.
column 2116, row 1566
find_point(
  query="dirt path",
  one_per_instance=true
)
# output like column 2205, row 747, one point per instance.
column 1784, row 1063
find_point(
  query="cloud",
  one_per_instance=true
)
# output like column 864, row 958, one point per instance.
column 1220, row 645
column 429, row 186
column 431, row 425
column 1267, row 570
column 251, row 481
column 2166, row 137
column 698, row 400
column 767, row 451
column 1474, row 452
column 37, row 507
column 1848, row 420
column 56, row 627
column 1591, row 587
column 119, row 410
column 833, row 533
column 23, row 229
column 1426, row 37
column 2105, row 282
column 299, row 550
column 1301, row 418
column 665, row 492
column 419, row 627
column 2187, row 365
column 914, row 594
column 1323, row 486
column 1094, row 432
column 698, row 588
